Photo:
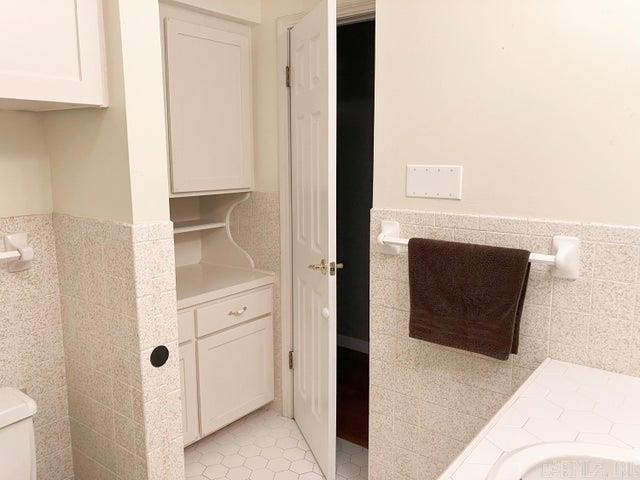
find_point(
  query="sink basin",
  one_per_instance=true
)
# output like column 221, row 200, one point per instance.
column 568, row 460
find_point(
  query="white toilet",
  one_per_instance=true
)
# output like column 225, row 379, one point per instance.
column 17, row 444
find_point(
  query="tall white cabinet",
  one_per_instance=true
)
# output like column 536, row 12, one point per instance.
column 52, row 55
column 225, row 304
column 209, row 103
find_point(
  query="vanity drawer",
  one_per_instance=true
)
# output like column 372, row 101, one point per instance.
column 233, row 310
column 186, row 326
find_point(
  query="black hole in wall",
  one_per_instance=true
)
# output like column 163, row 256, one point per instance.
column 159, row 356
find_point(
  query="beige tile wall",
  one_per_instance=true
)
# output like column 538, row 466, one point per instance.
column 428, row 401
column 31, row 349
column 255, row 225
column 118, row 302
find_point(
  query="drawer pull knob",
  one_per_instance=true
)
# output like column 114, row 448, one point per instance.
column 238, row 312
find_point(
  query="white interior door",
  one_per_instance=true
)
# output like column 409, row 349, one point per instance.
column 313, row 174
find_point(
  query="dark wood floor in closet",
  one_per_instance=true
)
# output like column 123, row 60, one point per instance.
column 353, row 396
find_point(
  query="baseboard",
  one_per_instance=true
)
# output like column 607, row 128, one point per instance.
column 353, row 343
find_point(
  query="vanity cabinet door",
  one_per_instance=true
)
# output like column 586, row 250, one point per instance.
column 235, row 369
column 52, row 55
column 189, row 387
column 208, row 75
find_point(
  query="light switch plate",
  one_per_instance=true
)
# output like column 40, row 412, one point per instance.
column 434, row 181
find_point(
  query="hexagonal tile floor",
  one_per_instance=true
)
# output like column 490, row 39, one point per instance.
column 266, row 446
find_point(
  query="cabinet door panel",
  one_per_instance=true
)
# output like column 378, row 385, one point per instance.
column 51, row 53
column 189, row 390
column 235, row 369
column 209, row 107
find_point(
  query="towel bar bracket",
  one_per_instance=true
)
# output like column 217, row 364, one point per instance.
column 17, row 252
column 565, row 259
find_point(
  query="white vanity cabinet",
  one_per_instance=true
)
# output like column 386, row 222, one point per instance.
column 52, row 55
column 208, row 84
column 226, row 356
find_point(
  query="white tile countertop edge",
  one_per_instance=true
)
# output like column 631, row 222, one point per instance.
column 560, row 401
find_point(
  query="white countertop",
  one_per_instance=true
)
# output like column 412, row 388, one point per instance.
column 203, row 282
column 559, row 402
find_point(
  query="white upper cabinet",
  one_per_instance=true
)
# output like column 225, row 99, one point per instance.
column 209, row 103
column 51, row 54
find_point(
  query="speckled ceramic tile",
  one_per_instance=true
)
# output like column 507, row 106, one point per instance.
column 469, row 236
column 549, row 228
column 535, row 321
column 622, row 234
column 503, row 224
column 125, row 413
column 452, row 220
column 415, row 217
column 616, row 262
column 31, row 348
column 505, row 240
column 266, row 446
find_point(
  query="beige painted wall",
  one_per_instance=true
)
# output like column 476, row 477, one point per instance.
column 25, row 175
column 111, row 163
column 265, row 93
column 538, row 101
column 243, row 10
column 145, row 110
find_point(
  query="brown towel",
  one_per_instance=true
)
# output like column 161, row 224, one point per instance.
column 467, row 296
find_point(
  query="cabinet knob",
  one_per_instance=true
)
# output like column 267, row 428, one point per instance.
column 238, row 312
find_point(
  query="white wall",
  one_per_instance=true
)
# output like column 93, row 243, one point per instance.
column 25, row 175
column 538, row 100
column 243, row 10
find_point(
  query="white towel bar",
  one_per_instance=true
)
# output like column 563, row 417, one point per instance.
column 17, row 252
column 566, row 259
column 11, row 255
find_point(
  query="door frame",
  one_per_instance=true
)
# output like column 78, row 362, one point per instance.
column 348, row 11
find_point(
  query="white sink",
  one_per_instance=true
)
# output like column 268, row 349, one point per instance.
column 568, row 460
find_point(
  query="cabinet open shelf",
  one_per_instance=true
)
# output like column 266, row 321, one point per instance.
column 196, row 225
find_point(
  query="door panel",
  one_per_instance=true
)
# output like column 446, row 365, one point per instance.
column 313, row 104
column 51, row 54
column 209, row 107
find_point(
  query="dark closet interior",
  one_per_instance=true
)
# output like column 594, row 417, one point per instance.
column 355, row 75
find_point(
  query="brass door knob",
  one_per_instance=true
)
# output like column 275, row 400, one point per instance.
column 319, row 267
column 333, row 266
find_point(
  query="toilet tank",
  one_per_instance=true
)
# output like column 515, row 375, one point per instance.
column 17, row 445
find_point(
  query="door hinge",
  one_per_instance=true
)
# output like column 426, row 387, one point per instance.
column 290, row 359
column 288, row 76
